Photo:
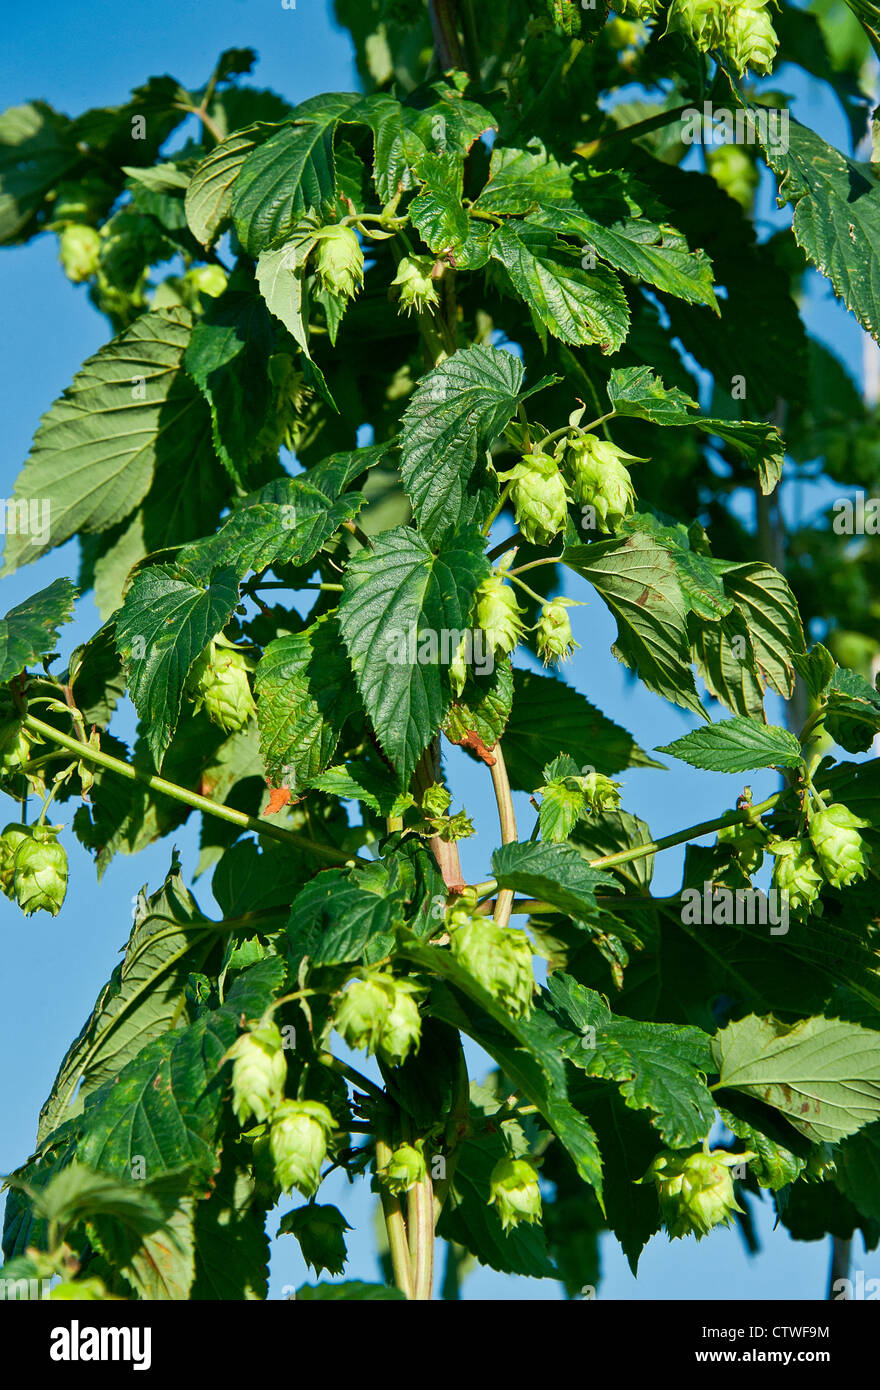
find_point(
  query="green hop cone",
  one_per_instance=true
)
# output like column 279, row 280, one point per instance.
column 218, row 683
column 795, row 873
column 258, row 1074
column 499, row 958
column 415, row 285
column 840, row 849
column 339, row 261
column 746, row 843
column 695, row 1190
column 402, row 1030
column 15, row 746
column 637, row 9
column 514, row 1191
column 12, row 837
column 298, row 1144
column 320, row 1232
column 540, row 497
column 748, row 37
column 555, row 639
column 601, row 792
column 600, row 478
column 702, row 21
column 79, row 250
column 404, row 1169
column 499, row 615
column 435, row 800
column 362, row 1012
column 736, row 172
column 207, row 279
column 40, row 880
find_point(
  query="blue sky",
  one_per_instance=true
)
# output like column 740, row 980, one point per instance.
column 87, row 55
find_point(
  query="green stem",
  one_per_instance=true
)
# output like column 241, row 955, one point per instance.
column 352, row 1074
column 632, row 132
column 394, row 1225
column 507, row 822
column 182, row 794
column 525, row 588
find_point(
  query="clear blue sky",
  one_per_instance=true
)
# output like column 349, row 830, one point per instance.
column 88, row 55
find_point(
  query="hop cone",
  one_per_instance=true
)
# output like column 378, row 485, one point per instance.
column 695, row 1190
column 339, row 261
column 795, row 873
column 258, row 1074
column 413, row 281
column 539, row 496
column 218, row 683
column 600, row 479
column 514, row 1190
column 840, row 849
column 500, row 958
column 555, row 639
column 499, row 614
column 298, row 1144
column 40, row 879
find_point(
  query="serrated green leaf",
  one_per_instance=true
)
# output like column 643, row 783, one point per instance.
column 769, row 609
column 578, row 306
column 360, row 781
column 853, row 718
column 280, row 275
column 164, row 624
column 736, row 745
column 348, row 1291
column 304, row 697
column 209, row 195
column 555, row 873
column 519, row 180
column 334, row 919
column 128, row 410
column 701, row 585
column 29, row 630
column 822, row 1074
column 400, row 608
column 477, row 718
column 637, row 579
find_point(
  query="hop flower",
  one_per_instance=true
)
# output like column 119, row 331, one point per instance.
column 258, row 1074
column 79, row 250
column 415, row 285
column 319, row 1231
column 733, row 170
column 749, row 39
column 40, row 880
column 795, row 873
column 12, row 837
column 298, row 1144
column 695, row 1190
column 600, row 479
column 498, row 614
column 207, row 279
column 404, row 1169
column 514, row 1189
column 499, row 958
column 637, row 9
column 435, row 800
column 701, row 20
column 601, row 792
column 401, row 1033
column 747, row 844
column 540, row 497
column 15, row 746
column 555, row 639
column 218, row 683
column 339, row 261
column 840, row 849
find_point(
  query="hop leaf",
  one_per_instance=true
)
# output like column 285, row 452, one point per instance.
column 500, row 958
column 218, row 683
column 840, row 849
column 404, row 1169
column 298, row 1144
column 539, row 496
column 600, row 478
column 40, row 878
column 795, row 873
column 259, row 1073
column 415, row 285
column 695, row 1190
column 339, row 261
column 514, row 1191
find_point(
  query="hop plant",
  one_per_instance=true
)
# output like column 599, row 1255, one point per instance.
column 416, row 289
column 402, row 1030
column 514, row 1191
column 499, row 614
column 218, row 683
column 404, row 1169
column 702, row 21
column 79, row 249
column 540, row 497
column 339, row 261
column 840, row 849
column 749, row 39
column 695, row 1190
column 795, row 873
column 40, row 879
column 258, row 1074
column 320, row 1232
column 746, row 843
column 298, row 1144
column 555, row 639
column 379, row 1013
column 637, row 9
column 13, row 835
column 600, row 478
column 601, row 792
column 500, row 958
